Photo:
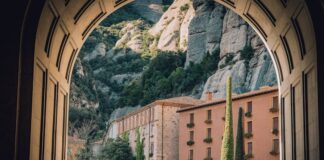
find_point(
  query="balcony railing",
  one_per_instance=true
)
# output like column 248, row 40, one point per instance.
column 248, row 156
column 190, row 143
column 248, row 114
column 208, row 121
column 274, row 109
column 275, row 131
column 208, row 140
column 248, row 135
column 190, row 125
column 274, row 153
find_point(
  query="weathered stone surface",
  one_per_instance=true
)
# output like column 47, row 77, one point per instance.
column 172, row 28
column 204, row 30
column 79, row 68
column 259, row 72
column 235, row 34
column 149, row 9
column 184, row 29
column 217, row 82
column 130, row 38
column 169, row 36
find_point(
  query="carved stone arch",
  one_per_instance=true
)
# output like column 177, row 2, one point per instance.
column 285, row 27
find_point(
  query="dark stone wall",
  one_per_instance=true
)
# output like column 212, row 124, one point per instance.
column 316, row 8
column 16, row 61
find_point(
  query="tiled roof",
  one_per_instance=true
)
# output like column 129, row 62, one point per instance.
column 263, row 90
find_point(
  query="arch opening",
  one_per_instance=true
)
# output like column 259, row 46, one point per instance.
column 285, row 32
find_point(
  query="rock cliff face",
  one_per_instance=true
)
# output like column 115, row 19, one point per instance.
column 172, row 28
column 248, row 74
column 198, row 27
column 205, row 30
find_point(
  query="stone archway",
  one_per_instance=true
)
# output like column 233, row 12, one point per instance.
column 285, row 27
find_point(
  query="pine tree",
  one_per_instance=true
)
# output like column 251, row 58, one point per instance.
column 239, row 148
column 227, row 150
column 139, row 146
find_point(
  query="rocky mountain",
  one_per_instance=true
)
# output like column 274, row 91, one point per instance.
column 154, row 49
column 243, row 56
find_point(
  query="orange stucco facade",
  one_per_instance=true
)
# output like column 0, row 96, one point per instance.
column 263, row 124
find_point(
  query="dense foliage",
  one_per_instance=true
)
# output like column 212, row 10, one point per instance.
column 118, row 149
column 227, row 150
column 239, row 147
column 164, row 76
column 85, row 153
column 139, row 146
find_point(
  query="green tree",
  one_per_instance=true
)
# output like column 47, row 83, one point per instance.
column 139, row 146
column 117, row 149
column 239, row 148
column 85, row 153
column 227, row 150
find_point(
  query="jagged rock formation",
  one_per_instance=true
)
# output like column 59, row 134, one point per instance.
column 247, row 75
column 109, row 59
column 149, row 9
column 205, row 30
column 172, row 28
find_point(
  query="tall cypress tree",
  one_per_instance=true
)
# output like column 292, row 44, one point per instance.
column 139, row 146
column 239, row 148
column 227, row 150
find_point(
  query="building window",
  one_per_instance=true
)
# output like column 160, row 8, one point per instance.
column 191, row 135
column 209, row 117
column 136, row 121
column 126, row 124
column 275, row 123
column 275, row 105
column 190, row 155
column 191, row 139
column 249, row 134
column 209, row 132
column 147, row 116
column 275, row 129
column 249, row 106
column 142, row 118
column 209, row 114
column 275, row 146
column 152, row 148
column 152, row 114
column 209, row 152
column 192, row 116
column 191, row 121
column 250, row 148
column 275, row 102
column 248, row 112
column 208, row 139
column 250, row 127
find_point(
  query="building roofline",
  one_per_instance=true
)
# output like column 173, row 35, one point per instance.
column 261, row 91
column 163, row 102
